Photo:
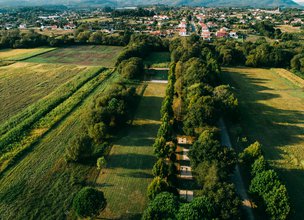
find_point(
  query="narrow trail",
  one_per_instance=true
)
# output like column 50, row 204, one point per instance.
column 237, row 178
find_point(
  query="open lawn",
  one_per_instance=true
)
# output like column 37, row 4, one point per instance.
column 22, row 84
column 158, row 60
column 42, row 185
column 272, row 112
column 131, row 159
column 81, row 55
column 21, row 54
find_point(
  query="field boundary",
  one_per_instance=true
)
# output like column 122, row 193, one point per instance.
column 34, row 55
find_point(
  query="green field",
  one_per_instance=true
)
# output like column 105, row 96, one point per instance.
column 131, row 159
column 158, row 60
column 21, row 54
column 81, row 55
column 42, row 185
column 272, row 112
column 22, row 84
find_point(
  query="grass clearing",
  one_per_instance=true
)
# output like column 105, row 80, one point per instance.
column 22, row 84
column 272, row 111
column 21, row 54
column 158, row 60
column 42, row 185
column 81, row 55
column 289, row 28
column 131, row 159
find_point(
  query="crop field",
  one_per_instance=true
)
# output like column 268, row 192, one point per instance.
column 42, row 180
column 81, row 55
column 158, row 60
column 22, row 84
column 272, row 112
column 128, row 173
column 21, row 54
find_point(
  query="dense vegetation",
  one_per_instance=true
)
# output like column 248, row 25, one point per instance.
column 191, row 101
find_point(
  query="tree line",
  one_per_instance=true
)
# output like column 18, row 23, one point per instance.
column 191, row 106
column 265, row 185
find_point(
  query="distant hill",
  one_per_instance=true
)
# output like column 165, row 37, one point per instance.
column 119, row 3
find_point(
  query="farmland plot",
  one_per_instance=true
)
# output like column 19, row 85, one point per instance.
column 21, row 54
column 81, row 55
column 22, row 84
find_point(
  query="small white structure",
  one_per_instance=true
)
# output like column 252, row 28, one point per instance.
column 233, row 34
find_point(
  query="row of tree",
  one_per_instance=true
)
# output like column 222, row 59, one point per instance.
column 265, row 184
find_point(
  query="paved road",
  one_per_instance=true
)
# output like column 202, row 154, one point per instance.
column 237, row 178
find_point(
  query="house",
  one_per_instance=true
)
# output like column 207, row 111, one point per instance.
column 206, row 34
column 182, row 25
column 22, row 26
column 221, row 33
column 183, row 32
column 233, row 34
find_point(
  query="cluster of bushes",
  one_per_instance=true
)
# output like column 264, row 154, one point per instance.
column 165, row 170
column 265, row 184
column 131, row 68
column 109, row 110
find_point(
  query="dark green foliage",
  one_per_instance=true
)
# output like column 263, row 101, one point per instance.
column 225, row 201
column 157, row 186
column 200, row 208
column 297, row 63
column 98, row 132
column 277, row 202
column 88, row 202
column 225, row 100
column 206, row 147
column 160, row 168
column 163, row 206
column 79, row 148
column 132, row 68
column 259, row 166
column 264, row 182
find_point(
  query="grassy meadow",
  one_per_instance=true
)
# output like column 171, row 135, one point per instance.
column 21, row 54
column 158, row 60
column 128, row 172
column 22, row 84
column 81, row 55
column 272, row 112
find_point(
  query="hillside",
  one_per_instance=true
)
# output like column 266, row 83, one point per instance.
column 119, row 3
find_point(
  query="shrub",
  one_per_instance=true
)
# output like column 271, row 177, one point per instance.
column 251, row 153
column 88, row 202
column 79, row 147
column 157, row 186
column 161, row 168
column 258, row 166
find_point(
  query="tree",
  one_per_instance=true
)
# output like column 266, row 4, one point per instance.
column 226, row 101
column 79, row 147
column 226, row 202
column 164, row 206
column 89, row 202
column 206, row 148
column 131, row 68
column 157, row 186
column 264, row 182
column 98, row 132
column 207, row 174
column 277, row 203
column 161, row 168
column 199, row 208
column 101, row 163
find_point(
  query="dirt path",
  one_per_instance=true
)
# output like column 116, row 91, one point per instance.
column 237, row 178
